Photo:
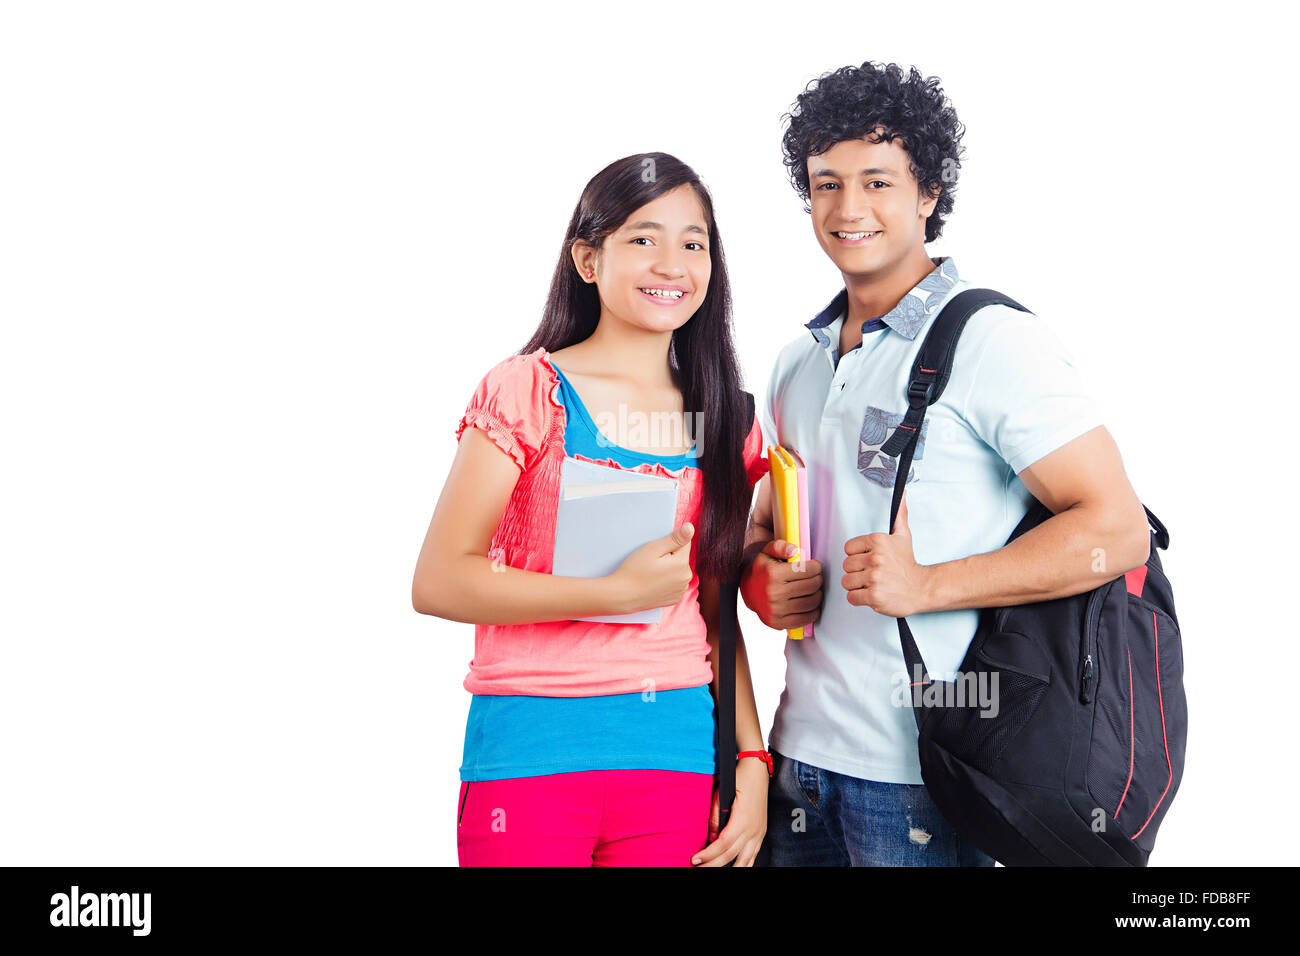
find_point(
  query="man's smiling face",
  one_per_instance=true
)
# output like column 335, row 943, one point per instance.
column 867, row 211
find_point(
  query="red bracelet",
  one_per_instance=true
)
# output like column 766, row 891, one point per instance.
column 762, row 755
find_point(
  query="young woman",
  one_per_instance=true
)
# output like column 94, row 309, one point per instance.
column 592, row 742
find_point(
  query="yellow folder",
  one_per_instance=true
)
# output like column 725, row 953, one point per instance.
column 790, row 510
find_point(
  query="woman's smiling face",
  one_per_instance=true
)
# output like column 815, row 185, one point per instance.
column 653, row 272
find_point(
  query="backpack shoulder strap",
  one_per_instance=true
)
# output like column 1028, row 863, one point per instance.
column 930, row 373
column 1162, row 533
column 728, row 626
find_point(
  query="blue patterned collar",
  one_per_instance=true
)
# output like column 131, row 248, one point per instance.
column 907, row 317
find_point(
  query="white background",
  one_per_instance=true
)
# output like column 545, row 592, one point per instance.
column 256, row 256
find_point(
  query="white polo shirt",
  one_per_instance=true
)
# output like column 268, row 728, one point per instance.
column 1014, row 396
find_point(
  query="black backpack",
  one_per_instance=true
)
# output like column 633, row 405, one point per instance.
column 1083, row 756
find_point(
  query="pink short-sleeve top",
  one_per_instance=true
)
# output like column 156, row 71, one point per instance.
column 517, row 405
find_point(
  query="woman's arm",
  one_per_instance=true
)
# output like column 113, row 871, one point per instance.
column 455, row 579
column 743, row 835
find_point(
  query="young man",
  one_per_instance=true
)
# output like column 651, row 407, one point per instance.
column 874, row 153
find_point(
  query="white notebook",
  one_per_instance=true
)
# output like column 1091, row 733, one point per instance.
column 604, row 515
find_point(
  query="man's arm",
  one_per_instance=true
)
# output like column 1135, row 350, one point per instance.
column 1097, row 532
column 758, row 532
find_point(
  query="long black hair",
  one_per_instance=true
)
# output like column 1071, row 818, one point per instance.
column 701, row 357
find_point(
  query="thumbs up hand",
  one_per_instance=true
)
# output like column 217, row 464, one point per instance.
column 881, row 572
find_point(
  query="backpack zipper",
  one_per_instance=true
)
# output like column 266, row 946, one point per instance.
column 1088, row 664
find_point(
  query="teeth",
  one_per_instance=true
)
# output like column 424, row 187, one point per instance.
column 663, row 293
column 856, row 235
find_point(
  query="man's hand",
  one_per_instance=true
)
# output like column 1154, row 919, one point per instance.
column 881, row 572
column 783, row 595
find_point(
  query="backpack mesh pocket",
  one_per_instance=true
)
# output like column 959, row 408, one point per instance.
column 978, row 739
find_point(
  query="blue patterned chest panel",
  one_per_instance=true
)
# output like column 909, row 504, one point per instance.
column 877, row 426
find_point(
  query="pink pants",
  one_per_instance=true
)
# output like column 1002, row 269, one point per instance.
column 585, row 818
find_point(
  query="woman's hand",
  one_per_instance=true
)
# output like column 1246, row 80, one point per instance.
column 656, row 574
column 743, row 836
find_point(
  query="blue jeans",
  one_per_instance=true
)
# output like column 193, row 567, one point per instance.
column 817, row 817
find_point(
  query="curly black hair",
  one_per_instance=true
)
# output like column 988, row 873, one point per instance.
column 854, row 102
